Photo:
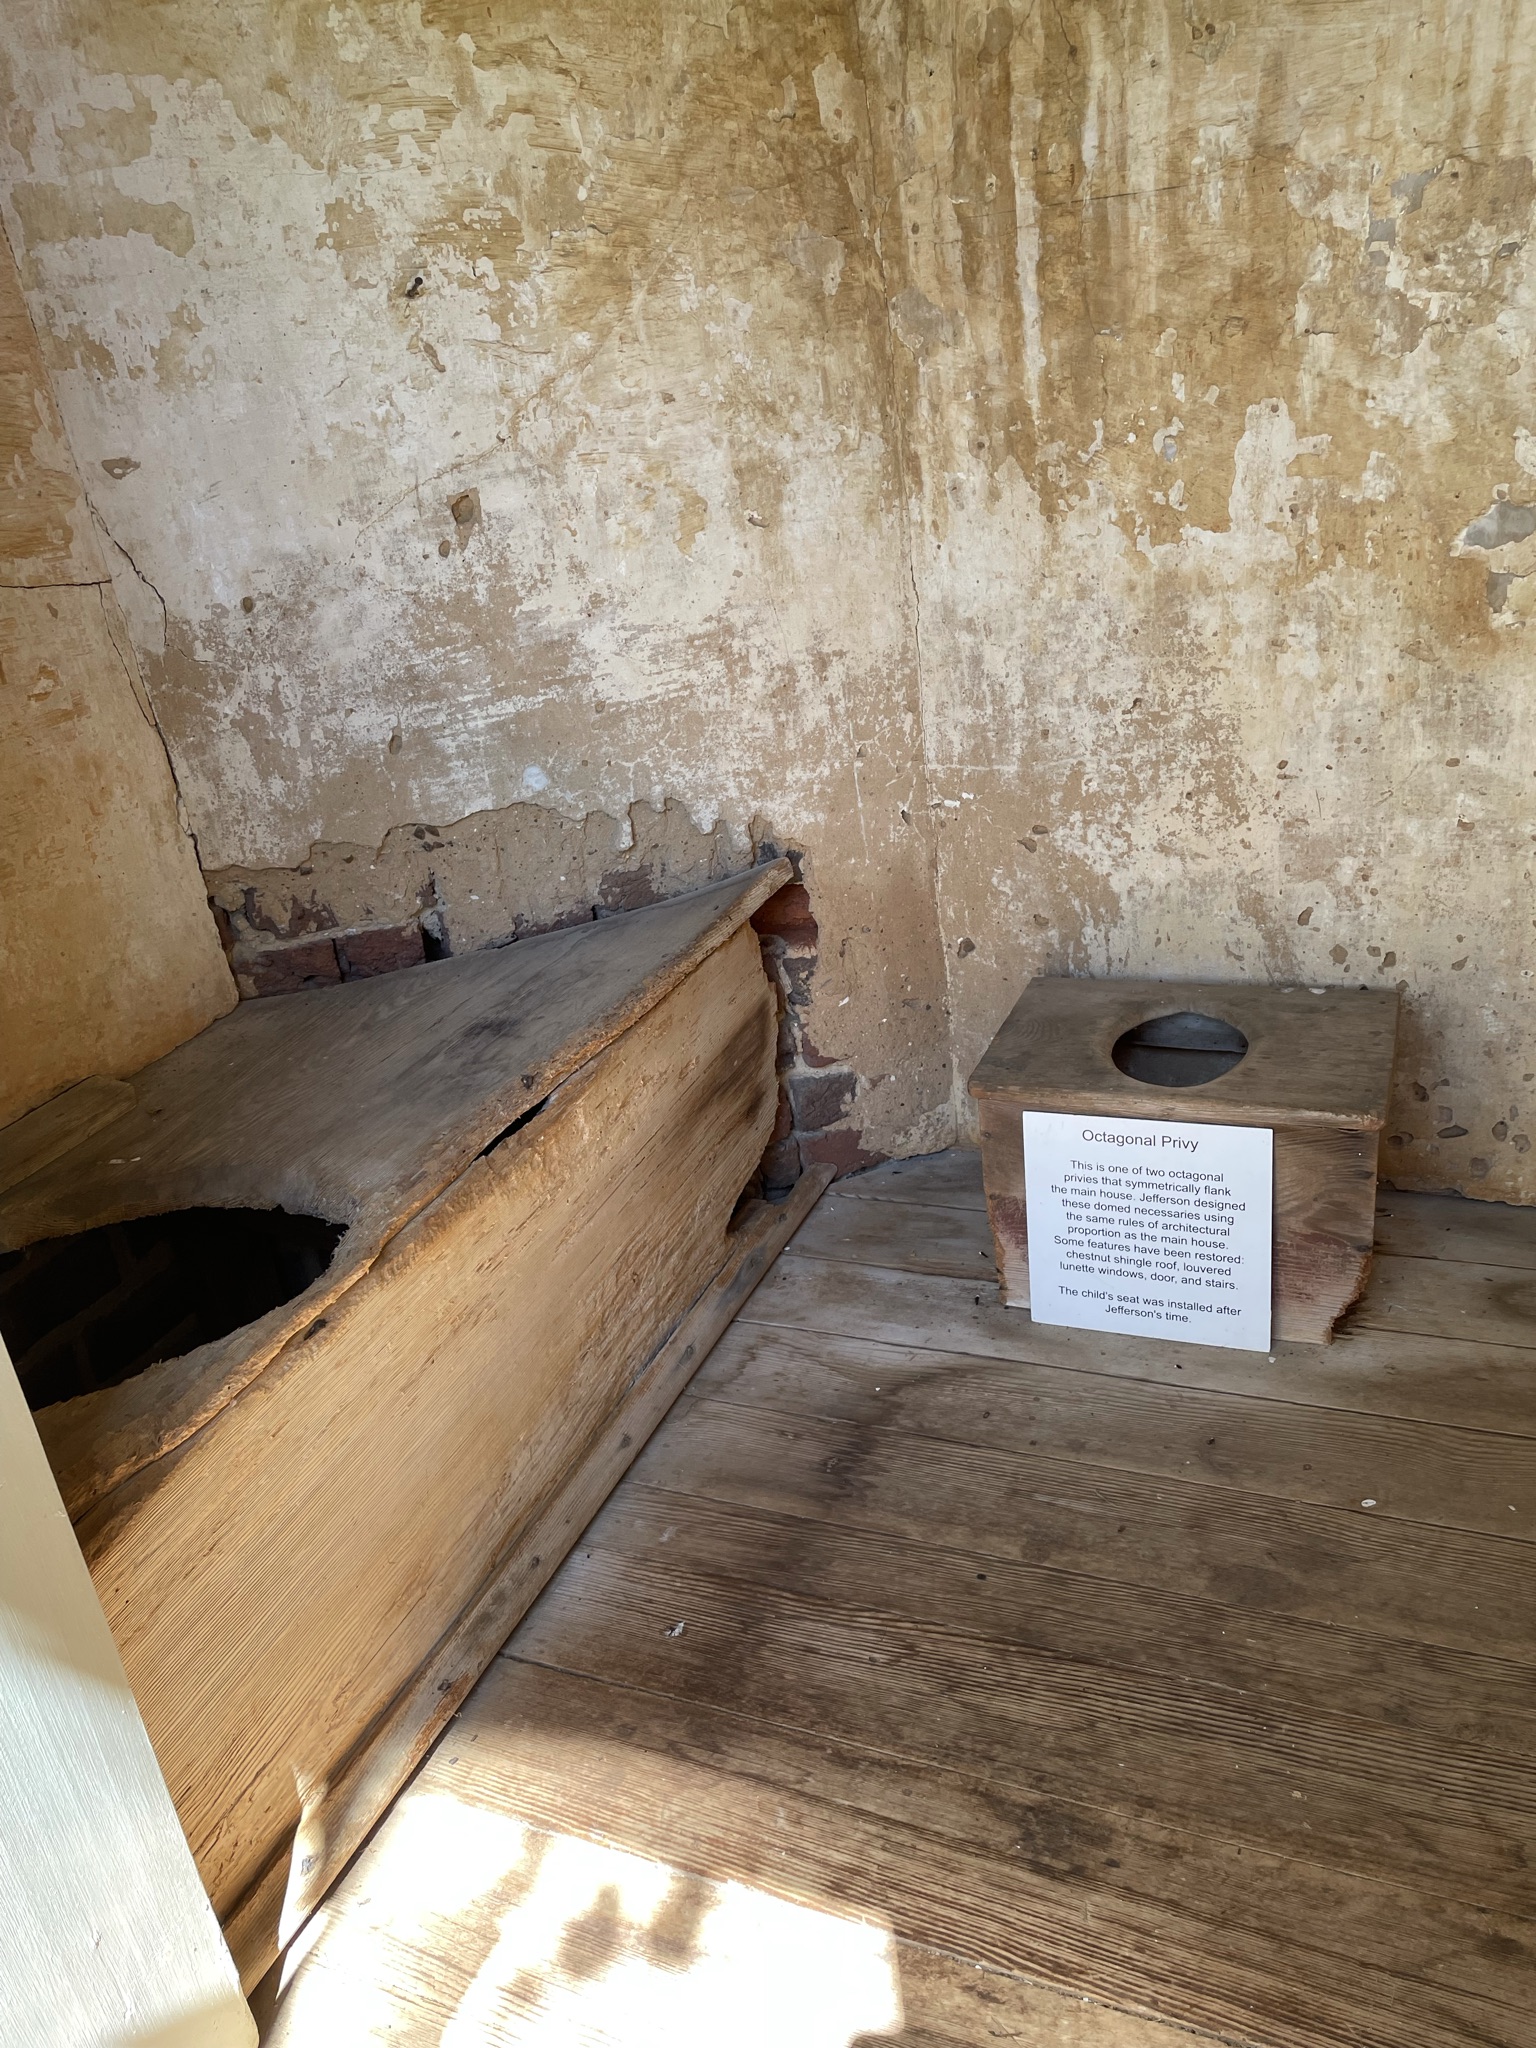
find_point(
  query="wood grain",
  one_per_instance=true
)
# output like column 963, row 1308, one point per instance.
column 36, row 1140
column 1412, row 1225
column 950, row 2003
column 1315, row 1056
column 935, row 1237
column 1460, row 1380
column 360, row 1103
column 1449, row 1227
column 1423, row 1297
column 949, row 1180
column 951, row 1857
column 938, row 1857
column 919, row 1618
column 1314, row 1784
column 330, row 1831
column 381, row 1463
column 1480, row 1480
column 1303, row 1608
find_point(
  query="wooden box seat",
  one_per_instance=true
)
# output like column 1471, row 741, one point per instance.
column 533, row 1155
column 1312, row 1065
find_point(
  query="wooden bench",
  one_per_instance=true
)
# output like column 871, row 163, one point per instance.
column 311, row 1534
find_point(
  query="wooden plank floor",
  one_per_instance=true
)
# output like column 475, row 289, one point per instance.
column 937, row 1677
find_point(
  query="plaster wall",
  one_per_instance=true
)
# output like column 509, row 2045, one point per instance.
column 108, row 956
column 488, row 408
column 1070, row 470
column 1218, row 368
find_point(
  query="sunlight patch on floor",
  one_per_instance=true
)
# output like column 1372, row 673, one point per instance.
column 466, row 1928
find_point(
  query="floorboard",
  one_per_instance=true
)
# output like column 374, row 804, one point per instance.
column 1457, row 1381
column 933, row 1237
column 1094, row 1595
column 938, row 1678
column 1472, row 1479
column 951, row 1179
column 1419, row 1226
column 1496, row 1304
column 893, row 1674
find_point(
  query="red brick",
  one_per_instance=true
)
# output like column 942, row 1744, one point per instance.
column 842, row 1150
column 285, row 970
column 787, row 916
column 379, row 950
column 811, row 1053
column 821, row 1099
column 628, row 889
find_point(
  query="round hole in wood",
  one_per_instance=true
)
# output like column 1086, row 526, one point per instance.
column 1179, row 1051
column 88, row 1311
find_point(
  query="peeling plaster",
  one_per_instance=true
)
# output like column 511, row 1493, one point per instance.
column 1226, row 686
column 1047, row 461
column 318, row 283
column 485, row 879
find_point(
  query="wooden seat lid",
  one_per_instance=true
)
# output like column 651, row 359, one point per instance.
column 1315, row 1055
column 361, row 1102
column 364, row 1099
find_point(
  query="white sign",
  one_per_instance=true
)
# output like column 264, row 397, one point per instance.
column 1160, row 1228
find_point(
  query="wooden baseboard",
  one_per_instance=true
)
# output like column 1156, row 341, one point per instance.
column 340, row 1815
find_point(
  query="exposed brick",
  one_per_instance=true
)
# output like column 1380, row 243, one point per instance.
column 284, row 970
column 842, row 1150
column 379, row 950
column 811, row 1053
column 787, row 916
column 797, row 981
column 628, row 889
column 821, row 1100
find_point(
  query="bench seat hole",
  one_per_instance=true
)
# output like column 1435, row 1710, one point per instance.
column 90, row 1311
column 1179, row 1051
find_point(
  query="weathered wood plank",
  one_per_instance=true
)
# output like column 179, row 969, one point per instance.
column 1263, row 1556
column 334, row 1826
column 807, row 1976
column 1409, row 1225
column 934, row 1237
column 1010, row 1878
column 380, row 1463
column 1451, row 1227
column 1450, row 1298
column 1477, row 1480
column 465, row 1908
column 1311, row 1784
column 561, row 1811
column 985, row 1641
column 1434, row 1379
column 1314, row 1056
column 47, row 1133
column 949, row 2003
column 949, row 1180
column 1103, row 1598
column 360, row 1103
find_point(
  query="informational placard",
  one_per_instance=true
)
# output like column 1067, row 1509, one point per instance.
column 1164, row 1229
